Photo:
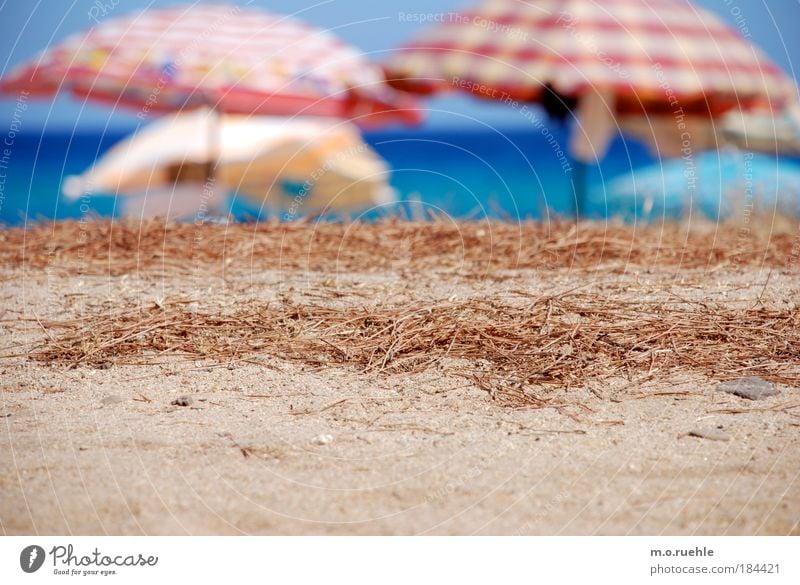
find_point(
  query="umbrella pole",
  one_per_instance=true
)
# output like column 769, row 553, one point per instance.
column 579, row 187
column 213, row 145
column 214, row 140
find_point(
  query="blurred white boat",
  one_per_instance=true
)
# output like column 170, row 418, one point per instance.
column 764, row 131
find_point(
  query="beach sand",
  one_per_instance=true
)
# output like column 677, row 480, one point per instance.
column 110, row 427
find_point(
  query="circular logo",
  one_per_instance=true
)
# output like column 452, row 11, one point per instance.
column 31, row 558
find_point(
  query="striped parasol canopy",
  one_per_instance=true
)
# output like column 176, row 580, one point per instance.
column 631, row 57
column 237, row 60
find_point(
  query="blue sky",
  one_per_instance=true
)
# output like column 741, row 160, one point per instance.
column 27, row 26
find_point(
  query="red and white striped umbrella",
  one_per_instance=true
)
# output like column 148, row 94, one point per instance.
column 235, row 59
column 650, row 56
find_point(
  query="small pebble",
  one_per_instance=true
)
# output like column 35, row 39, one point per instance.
column 709, row 433
column 322, row 439
column 182, row 401
column 752, row 388
column 112, row 400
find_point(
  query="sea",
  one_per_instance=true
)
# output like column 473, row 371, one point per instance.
column 510, row 175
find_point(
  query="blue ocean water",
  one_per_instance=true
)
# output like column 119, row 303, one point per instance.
column 519, row 174
column 464, row 174
column 516, row 174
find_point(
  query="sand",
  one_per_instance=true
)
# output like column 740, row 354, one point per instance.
column 189, row 445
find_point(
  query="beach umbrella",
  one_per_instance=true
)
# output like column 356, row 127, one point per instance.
column 615, row 65
column 227, row 58
column 716, row 183
column 234, row 59
column 305, row 164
